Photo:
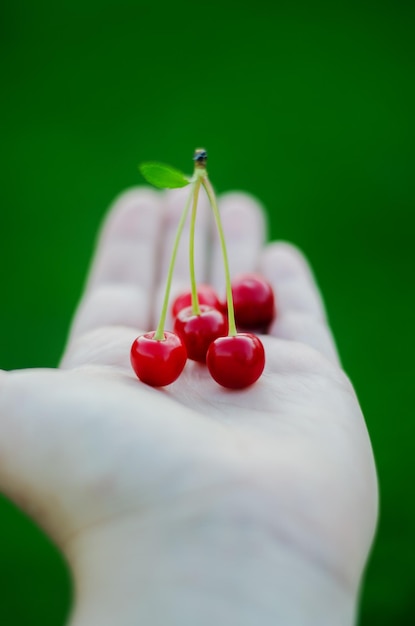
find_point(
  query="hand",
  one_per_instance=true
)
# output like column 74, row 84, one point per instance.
column 192, row 504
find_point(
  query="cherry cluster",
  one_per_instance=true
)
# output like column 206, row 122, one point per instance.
column 207, row 329
column 233, row 361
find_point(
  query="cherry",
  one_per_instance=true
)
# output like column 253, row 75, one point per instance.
column 206, row 295
column 198, row 331
column 253, row 301
column 236, row 361
column 158, row 362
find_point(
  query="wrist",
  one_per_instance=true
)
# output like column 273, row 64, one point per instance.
column 215, row 565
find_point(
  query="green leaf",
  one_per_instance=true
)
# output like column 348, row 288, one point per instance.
column 163, row 176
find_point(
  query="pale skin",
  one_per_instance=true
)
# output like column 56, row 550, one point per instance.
column 194, row 505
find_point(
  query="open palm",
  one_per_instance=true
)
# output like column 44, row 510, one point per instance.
column 89, row 448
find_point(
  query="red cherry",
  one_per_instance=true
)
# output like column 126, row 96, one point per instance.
column 206, row 295
column 253, row 301
column 158, row 363
column 198, row 331
column 236, row 362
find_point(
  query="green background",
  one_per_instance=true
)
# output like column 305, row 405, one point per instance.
column 310, row 106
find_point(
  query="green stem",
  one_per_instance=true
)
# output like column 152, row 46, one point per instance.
column 159, row 334
column 232, row 332
column 195, row 299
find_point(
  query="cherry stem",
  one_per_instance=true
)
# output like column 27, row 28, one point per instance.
column 195, row 299
column 232, row 332
column 159, row 334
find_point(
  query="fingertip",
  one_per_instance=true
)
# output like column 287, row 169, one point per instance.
column 282, row 259
column 288, row 270
column 301, row 314
column 133, row 214
column 241, row 213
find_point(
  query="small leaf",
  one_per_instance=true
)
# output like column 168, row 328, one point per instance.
column 163, row 176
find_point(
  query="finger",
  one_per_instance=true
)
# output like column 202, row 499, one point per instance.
column 301, row 314
column 175, row 202
column 124, row 270
column 107, row 345
column 243, row 220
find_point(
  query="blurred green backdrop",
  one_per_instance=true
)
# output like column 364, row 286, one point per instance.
column 310, row 106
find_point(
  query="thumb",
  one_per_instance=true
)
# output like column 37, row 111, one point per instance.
column 51, row 461
column 26, row 445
